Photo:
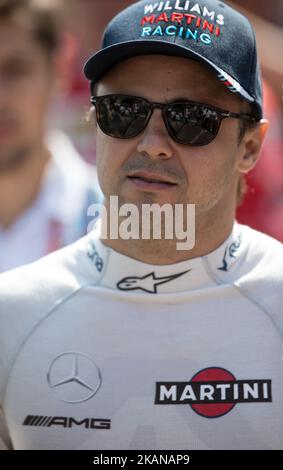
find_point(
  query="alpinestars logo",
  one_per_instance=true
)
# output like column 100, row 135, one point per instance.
column 213, row 392
column 148, row 283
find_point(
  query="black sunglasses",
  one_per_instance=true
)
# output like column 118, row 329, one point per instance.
column 188, row 122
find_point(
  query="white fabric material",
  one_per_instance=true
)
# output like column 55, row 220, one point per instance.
column 62, row 199
column 87, row 334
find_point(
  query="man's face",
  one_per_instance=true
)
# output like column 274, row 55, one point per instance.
column 206, row 176
column 25, row 86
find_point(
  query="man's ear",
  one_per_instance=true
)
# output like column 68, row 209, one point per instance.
column 250, row 146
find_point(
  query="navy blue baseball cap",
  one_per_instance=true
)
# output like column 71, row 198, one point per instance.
column 209, row 31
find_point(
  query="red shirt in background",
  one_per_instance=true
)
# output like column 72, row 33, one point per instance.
column 262, row 207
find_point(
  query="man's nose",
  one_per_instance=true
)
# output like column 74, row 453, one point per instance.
column 155, row 140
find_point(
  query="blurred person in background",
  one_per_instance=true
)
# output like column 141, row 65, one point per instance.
column 45, row 186
column 85, row 21
column 262, row 206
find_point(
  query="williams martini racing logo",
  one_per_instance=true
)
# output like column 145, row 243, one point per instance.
column 213, row 392
column 183, row 19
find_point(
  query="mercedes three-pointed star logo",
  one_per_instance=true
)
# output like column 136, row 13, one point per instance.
column 74, row 376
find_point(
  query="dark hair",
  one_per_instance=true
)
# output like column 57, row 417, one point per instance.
column 244, row 127
column 41, row 19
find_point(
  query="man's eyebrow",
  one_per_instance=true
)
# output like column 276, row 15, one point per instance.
column 194, row 99
column 179, row 98
column 18, row 56
column 191, row 100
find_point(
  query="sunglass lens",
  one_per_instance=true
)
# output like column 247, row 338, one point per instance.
column 192, row 124
column 122, row 116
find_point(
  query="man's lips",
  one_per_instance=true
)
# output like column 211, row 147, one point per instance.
column 147, row 180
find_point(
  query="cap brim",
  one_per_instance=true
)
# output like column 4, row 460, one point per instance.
column 100, row 62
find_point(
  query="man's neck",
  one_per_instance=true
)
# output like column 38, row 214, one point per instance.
column 20, row 187
column 210, row 232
